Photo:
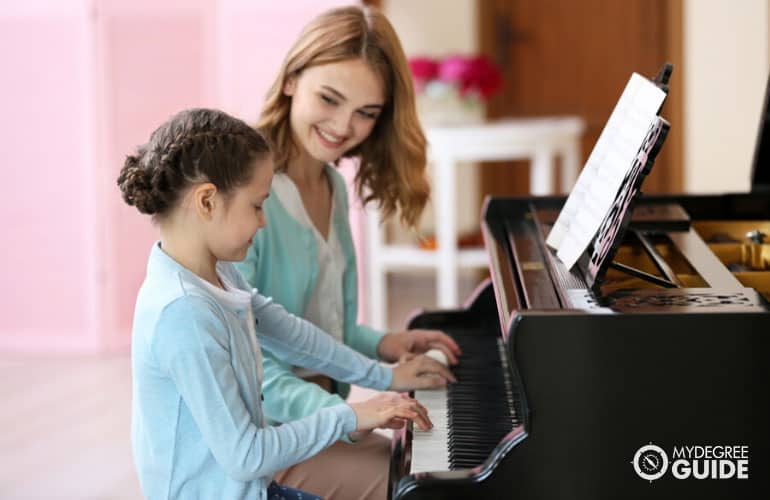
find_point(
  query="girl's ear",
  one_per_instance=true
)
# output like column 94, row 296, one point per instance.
column 204, row 199
column 290, row 86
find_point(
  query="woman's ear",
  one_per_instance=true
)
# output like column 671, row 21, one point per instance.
column 290, row 86
column 204, row 199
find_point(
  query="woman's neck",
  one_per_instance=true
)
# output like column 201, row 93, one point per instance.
column 306, row 171
column 190, row 253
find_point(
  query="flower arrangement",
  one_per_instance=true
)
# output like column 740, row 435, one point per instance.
column 472, row 77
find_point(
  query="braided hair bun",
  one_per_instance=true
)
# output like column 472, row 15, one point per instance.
column 135, row 183
column 195, row 145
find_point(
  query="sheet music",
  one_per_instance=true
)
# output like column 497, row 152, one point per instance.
column 612, row 157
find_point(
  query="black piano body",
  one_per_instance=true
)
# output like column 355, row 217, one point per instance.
column 673, row 367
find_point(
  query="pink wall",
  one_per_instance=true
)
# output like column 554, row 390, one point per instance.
column 83, row 83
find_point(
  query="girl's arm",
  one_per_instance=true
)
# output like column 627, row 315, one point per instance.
column 301, row 343
column 191, row 345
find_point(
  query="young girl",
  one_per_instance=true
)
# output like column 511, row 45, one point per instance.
column 344, row 90
column 198, row 430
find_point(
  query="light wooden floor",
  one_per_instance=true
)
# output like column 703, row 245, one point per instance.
column 65, row 429
column 66, row 421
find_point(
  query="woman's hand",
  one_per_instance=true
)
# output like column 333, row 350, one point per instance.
column 420, row 372
column 390, row 410
column 393, row 346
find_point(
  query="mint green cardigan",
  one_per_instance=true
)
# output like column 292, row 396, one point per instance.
column 282, row 263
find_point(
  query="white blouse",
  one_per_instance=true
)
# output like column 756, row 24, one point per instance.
column 240, row 299
column 325, row 308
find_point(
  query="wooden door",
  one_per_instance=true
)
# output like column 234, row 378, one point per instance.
column 575, row 57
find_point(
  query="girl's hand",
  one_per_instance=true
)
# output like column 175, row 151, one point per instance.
column 391, row 411
column 393, row 346
column 420, row 372
column 358, row 435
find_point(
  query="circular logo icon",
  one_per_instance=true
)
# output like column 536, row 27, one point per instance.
column 650, row 462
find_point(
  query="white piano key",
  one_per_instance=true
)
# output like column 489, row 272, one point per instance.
column 430, row 450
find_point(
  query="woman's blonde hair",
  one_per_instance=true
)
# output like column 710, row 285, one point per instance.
column 392, row 164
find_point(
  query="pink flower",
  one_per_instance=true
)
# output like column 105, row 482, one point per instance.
column 468, row 73
column 453, row 69
column 423, row 69
column 483, row 76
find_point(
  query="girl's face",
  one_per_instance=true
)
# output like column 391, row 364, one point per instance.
column 334, row 107
column 239, row 215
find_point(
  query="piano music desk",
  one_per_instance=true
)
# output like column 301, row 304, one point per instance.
column 538, row 140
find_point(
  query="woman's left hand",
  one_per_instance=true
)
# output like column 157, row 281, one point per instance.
column 393, row 346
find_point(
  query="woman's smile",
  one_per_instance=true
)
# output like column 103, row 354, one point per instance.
column 329, row 139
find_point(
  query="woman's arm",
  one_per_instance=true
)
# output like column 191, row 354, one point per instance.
column 364, row 339
column 289, row 397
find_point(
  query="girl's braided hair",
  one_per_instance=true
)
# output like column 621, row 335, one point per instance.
column 195, row 145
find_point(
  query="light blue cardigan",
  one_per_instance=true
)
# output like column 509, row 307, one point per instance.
column 197, row 425
column 283, row 264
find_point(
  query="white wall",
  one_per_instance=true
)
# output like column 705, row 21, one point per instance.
column 726, row 68
column 437, row 28
column 434, row 27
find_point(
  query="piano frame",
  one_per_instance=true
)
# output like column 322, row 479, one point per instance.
column 670, row 366
column 596, row 387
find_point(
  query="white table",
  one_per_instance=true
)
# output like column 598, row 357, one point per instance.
column 539, row 140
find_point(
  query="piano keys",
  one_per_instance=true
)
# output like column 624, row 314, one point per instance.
column 471, row 416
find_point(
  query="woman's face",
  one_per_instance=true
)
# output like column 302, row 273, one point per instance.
column 334, row 107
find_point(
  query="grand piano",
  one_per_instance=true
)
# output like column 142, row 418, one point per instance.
column 591, row 382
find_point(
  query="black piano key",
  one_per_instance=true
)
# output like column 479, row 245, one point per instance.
column 480, row 406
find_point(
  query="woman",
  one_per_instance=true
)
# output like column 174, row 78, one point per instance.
column 344, row 91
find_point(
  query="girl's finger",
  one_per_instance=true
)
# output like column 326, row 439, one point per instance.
column 421, row 408
column 395, row 423
column 450, row 356
column 419, row 418
column 400, row 412
column 430, row 382
column 423, row 414
column 428, row 365
column 440, row 338
column 422, row 421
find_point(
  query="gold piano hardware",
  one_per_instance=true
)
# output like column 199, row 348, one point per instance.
column 730, row 242
column 532, row 265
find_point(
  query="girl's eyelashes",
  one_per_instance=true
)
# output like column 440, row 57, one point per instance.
column 258, row 208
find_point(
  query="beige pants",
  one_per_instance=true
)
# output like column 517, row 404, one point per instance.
column 344, row 471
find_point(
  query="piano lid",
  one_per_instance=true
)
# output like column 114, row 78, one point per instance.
column 760, row 176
